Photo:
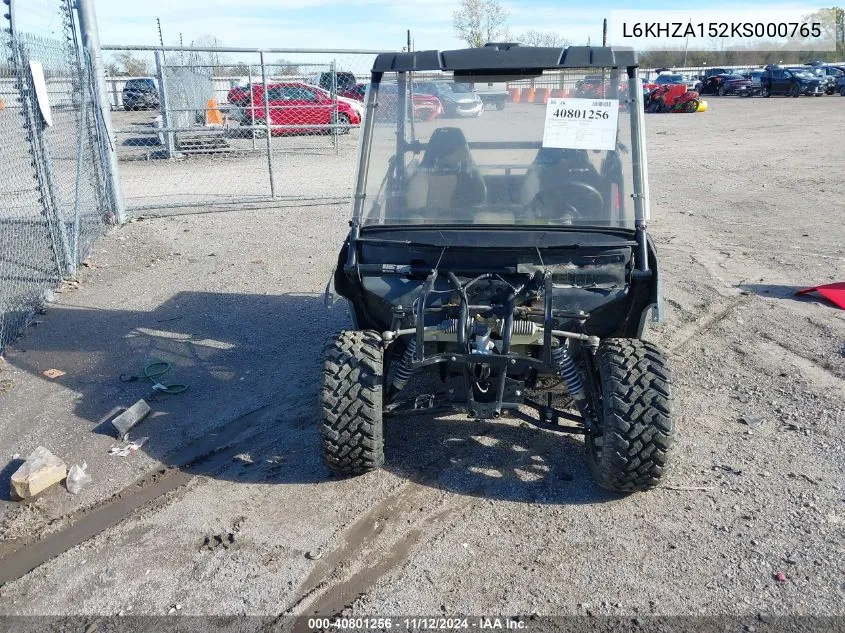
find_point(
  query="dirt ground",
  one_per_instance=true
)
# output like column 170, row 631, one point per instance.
column 470, row 517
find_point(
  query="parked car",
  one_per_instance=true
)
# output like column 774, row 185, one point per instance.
column 675, row 79
column 711, row 72
column 344, row 81
column 724, row 84
column 239, row 95
column 356, row 92
column 840, row 85
column 492, row 95
column 458, row 100
column 790, row 81
column 299, row 107
column 829, row 75
column 596, row 87
column 426, row 106
column 756, row 85
column 141, row 94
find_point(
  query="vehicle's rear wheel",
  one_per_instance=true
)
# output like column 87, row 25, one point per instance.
column 765, row 92
column 630, row 450
column 343, row 121
column 722, row 91
column 842, row 91
column 794, row 91
column 351, row 398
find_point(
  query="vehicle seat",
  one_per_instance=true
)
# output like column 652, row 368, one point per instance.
column 550, row 188
column 447, row 177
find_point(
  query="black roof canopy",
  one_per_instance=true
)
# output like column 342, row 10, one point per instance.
column 507, row 58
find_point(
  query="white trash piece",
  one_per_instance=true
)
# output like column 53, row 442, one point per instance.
column 76, row 478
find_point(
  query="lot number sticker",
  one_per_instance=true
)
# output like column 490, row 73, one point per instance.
column 581, row 123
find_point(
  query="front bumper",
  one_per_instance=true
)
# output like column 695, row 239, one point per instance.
column 468, row 109
column 812, row 89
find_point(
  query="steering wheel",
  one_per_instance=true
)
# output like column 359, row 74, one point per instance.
column 574, row 200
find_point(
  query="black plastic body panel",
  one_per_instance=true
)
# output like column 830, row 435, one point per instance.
column 592, row 271
column 507, row 58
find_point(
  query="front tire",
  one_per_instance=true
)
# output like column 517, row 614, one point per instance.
column 631, row 449
column 794, row 91
column 351, row 397
column 722, row 91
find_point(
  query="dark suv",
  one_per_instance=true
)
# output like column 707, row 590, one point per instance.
column 790, row 81
column 345, row 81
column 140, row 94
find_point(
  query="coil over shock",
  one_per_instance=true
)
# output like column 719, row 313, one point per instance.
column 568, row 372
column 403, row 369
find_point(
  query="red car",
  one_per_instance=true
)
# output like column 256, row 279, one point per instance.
column 426, row 106
column 296, row 106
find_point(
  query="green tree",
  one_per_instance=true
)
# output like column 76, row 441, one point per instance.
column 477, row 22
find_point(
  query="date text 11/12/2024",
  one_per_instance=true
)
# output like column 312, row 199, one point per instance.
column 481, row 623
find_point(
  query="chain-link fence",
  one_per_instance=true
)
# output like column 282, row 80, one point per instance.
column 222, row 126
column 53, row 207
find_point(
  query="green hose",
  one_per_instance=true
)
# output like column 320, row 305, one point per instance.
column 154, row 370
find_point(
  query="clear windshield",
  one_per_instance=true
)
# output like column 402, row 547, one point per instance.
column 552, row 150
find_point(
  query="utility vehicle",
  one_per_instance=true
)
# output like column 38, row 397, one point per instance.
column 510, row 253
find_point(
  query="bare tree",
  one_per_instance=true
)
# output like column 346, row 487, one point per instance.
column 132, row 66
column 542, row 38
column 214, row 61
column 477, row 22
column 286, row 68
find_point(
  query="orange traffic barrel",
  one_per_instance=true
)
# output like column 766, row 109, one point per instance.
column 514, row 94
column 528, row 95
column 543, row 95
column 213, row 116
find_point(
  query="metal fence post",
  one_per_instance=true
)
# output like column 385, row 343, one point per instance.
column 267, row 127
column 335, row 117
column 91, row 46
column 166, row 123
column 251, row 100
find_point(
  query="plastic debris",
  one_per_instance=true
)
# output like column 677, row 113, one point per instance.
column 128, row 447
column 835, row 292
column 77, row 478
column 52, row 373
column 780, row 576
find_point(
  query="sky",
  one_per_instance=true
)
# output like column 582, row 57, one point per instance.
column 371, row 24
column 348, row 24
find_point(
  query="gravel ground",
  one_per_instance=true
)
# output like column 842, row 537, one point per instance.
column 468, row 516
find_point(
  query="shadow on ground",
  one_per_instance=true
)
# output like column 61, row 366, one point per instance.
column 494, row 459
column 780, row 291
column 252, row 366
